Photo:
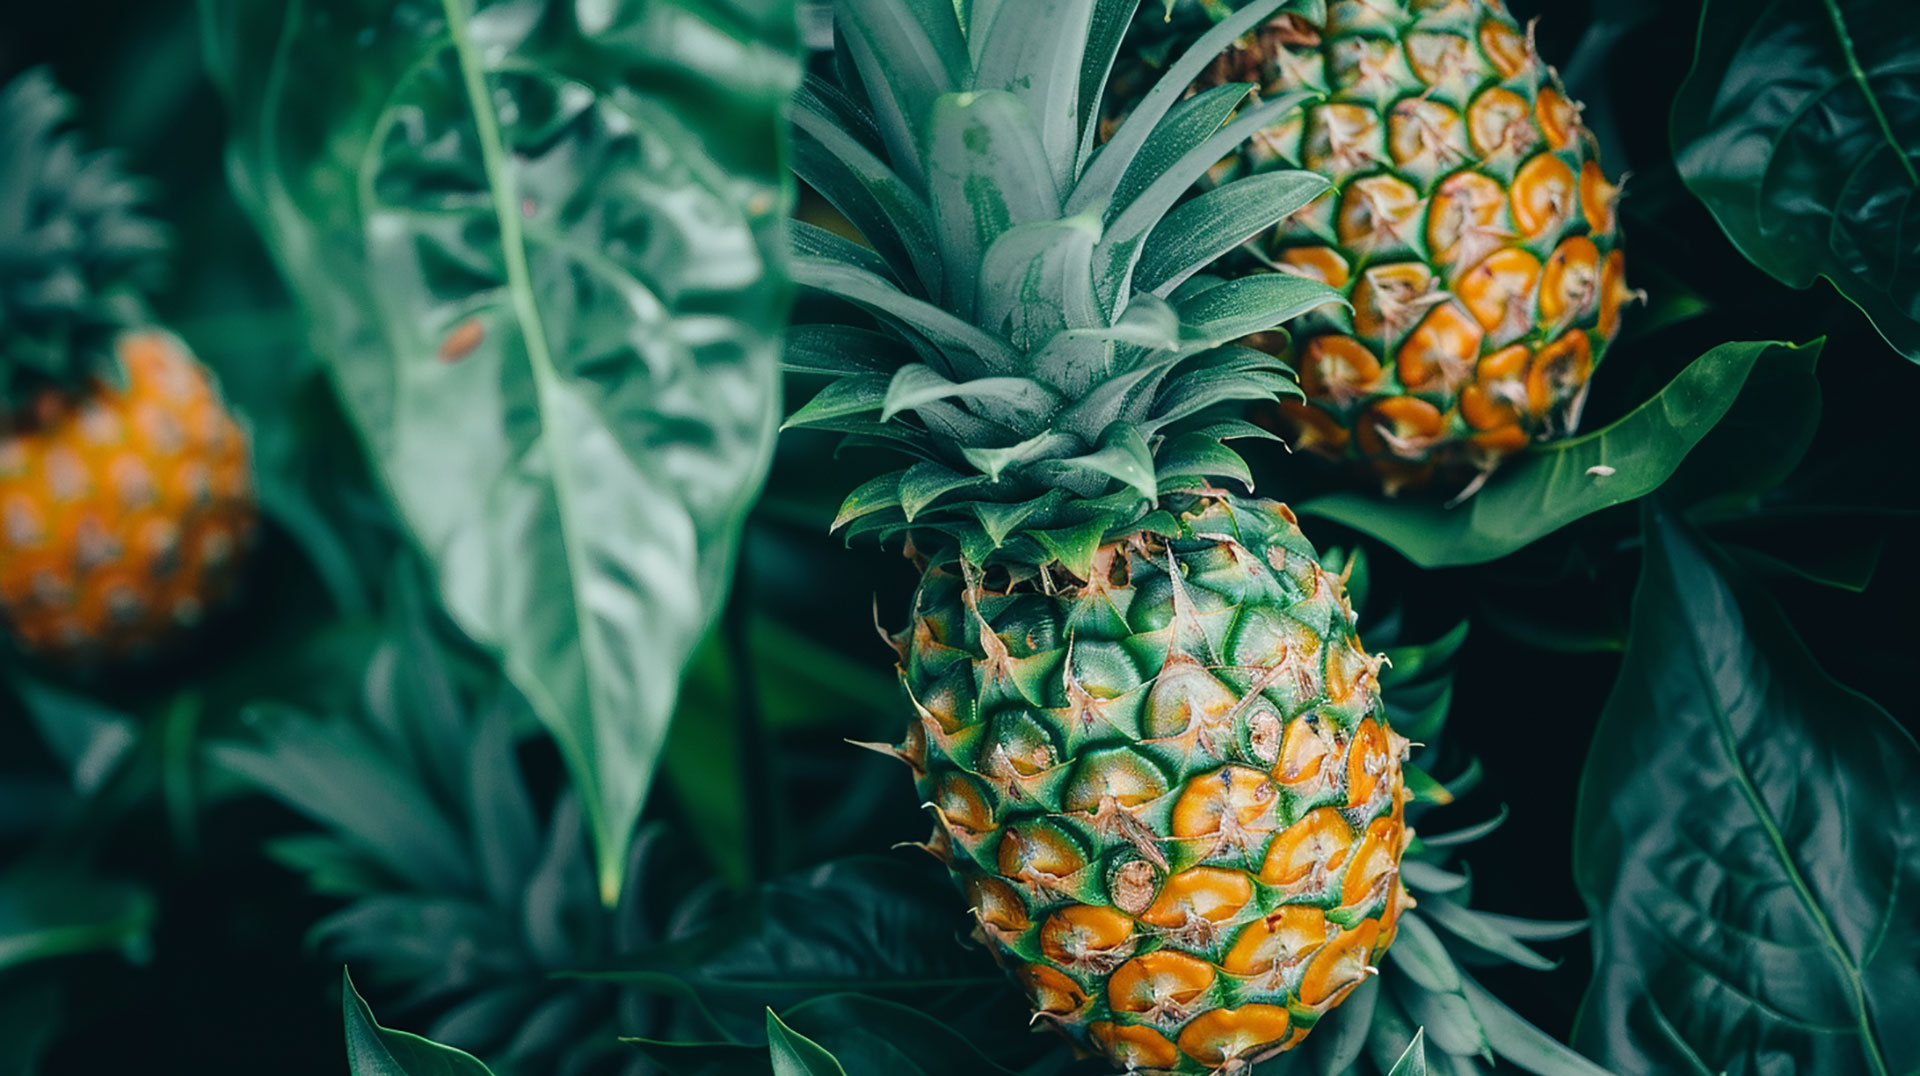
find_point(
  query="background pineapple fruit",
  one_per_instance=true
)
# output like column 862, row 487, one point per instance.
column 1154, row 748
column 1470, row 225
column 125, row 493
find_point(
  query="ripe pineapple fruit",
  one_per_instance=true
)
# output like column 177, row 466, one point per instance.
column 1470, row 227
column 1153, row 745
column 125, row 494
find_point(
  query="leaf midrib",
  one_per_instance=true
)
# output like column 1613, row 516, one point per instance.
column 1859, row 75
column 1723, row 727
column 546, row 381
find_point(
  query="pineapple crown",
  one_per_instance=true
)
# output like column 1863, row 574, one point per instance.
column 1045, row 344
column 76, row 254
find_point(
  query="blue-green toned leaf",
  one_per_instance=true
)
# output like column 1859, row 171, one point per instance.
column 1250, row 304
column 1748, row 839
column 853, row 178
column 1022, row 39
column 909, row 53
column 47, row 913
column 1414, row 1061
column 1130, row 224
column 952, row 335
column 1036, row 282
column 551, row 296
column 1197, row 232
column 1016, row 401
column 796, row 1055
column 1799, row 127
column 987, row 175
column 1104, row 173
column 373, row 1050
column 1549, row 486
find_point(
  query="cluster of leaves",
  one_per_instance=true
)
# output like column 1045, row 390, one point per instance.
column 512, row 414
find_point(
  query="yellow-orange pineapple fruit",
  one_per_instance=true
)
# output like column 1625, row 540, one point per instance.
column 125, row 491
column 1470, row 226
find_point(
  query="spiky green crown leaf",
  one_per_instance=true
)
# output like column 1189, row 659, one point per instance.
column 76, row 254
column 1047, row 349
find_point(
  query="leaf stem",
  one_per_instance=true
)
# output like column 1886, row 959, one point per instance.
column 1873, row 102
column 609, row 845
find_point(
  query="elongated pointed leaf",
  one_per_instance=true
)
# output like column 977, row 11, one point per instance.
column 909, row 52
column 988, row 174
column 1019, row 401
column 1032, row 49
column 373, row 1050
column 1198, row 232
column 1549, row 486
column 1250, row 304
column 1036, row 281
column 551, row 295
column 1414, row 1061
column 856, row 181
column 1103, row 175
column 1799, row 127
column 1131, row 222
column 951, row 334
column 1748, row 839
column 796, row 1055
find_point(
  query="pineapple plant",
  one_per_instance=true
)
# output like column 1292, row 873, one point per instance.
column 1142, row 718
column 125, row 492
column 1470, row 226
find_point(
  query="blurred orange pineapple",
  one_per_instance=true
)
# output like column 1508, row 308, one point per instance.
column 125, row 491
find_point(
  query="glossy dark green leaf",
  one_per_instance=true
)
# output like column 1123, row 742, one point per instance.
column 1550, row 486
column 796, row 1055
column 1799, row 127
column 373, row 1050
column 542, row 246
column 1748, row 839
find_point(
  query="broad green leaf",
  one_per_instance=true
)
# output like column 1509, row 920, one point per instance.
column 796, row 1055
column 373, row 1050
column 1748, row 839
column 47, row 913
column 1799, row 127
column 550, row 293
column 1549, row 486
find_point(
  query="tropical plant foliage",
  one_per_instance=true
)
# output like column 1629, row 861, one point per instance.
column 539, row 709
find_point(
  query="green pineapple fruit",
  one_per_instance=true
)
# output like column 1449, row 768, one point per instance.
column 1470, row 225
column 1153, row 745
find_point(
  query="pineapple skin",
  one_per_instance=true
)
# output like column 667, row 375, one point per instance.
column 1470, row 226
column 124, row 509
column 1169, row 794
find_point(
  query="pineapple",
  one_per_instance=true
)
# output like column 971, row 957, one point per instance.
column 1470, row 227
column 125, row 493
column 1153, row 746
